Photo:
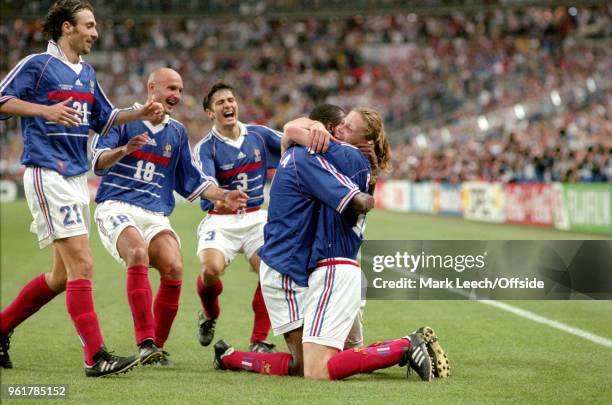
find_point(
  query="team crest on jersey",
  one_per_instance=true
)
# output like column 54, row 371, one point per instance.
column 257, row 154
column 91, row 86
column 168, row 150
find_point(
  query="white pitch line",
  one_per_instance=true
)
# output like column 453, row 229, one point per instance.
column 550, row 322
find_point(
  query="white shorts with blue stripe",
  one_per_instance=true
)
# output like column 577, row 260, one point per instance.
column 284, row 300
column 59, row 205
column 332, row 303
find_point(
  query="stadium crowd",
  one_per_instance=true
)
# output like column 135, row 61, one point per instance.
column 418, row 70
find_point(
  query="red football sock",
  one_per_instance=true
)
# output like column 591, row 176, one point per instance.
column 30, row 299
column 79, row 301
column 366, row 359
column 165, row 308
column 140, row 298
column 262, row 363
column 261, row 322
column 209, row 296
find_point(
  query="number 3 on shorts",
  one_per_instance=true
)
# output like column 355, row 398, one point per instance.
column 210, row 235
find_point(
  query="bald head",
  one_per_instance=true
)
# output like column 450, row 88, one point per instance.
column 162, row 74
column 165, row 85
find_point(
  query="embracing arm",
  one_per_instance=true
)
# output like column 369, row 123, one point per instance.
column 306, row 132
column 362, row 203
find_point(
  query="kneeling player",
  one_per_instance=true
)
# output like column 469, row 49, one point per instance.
column 326, row 299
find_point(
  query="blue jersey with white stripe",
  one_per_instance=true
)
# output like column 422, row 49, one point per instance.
column 302, row 182
column 147, row 177
column 341, row 235
column 241, row 164
column 48, row 78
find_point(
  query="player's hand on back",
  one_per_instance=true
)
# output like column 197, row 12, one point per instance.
column 320, row 138
column 136, row 143
column 367, row 148
column 236, row 199
column 62, row 114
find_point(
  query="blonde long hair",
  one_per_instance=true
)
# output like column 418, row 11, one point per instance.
column 376, row 133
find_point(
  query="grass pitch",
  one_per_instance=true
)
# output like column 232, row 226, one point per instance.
column 496, row 357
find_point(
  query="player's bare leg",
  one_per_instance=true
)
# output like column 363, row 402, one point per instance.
column 76, row 256
column 315, row 360
column 293, row 340
column 57, row 277
column 209, row 287
column 261, row 320
column 133, row 250
column 165, row 255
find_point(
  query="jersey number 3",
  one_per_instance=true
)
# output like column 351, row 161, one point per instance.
column 144, row 171
column 243, row 178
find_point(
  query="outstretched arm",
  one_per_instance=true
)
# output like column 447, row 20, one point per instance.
column 151, row 111
column 236, row 199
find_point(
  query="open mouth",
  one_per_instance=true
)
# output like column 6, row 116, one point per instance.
column 172, row 102
column 229, row 114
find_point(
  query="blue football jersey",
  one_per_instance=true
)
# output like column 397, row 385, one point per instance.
column 148, row 176
column 48, row 78
column 241, row 164
column 341, row 235
column 302, row 182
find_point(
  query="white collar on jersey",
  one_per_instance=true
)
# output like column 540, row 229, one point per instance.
column 238, row 141
column 54, row 49
column 154, row 128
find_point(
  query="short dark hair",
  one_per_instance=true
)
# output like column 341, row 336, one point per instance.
column 218, row 86
column 329, row 115
column 60, row 11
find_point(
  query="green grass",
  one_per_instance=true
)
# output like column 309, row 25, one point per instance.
column 495, row 356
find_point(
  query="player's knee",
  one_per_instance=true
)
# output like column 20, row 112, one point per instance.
column 172, row 272
column 83, row 268
column 137, row 256
column 316, row 372
column 56, row 281
column 212, row 272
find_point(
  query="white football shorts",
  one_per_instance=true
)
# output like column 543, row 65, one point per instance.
column 284, row 300
column 112, row 217
column 233, row 233
column 332, row 303
column 59, row 205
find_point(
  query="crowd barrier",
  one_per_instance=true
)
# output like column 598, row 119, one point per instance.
column 574, row 207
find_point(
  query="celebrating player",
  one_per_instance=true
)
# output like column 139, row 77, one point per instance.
column 238, row 156
column 59, row 99
column 143, row 163
column 326, row 298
